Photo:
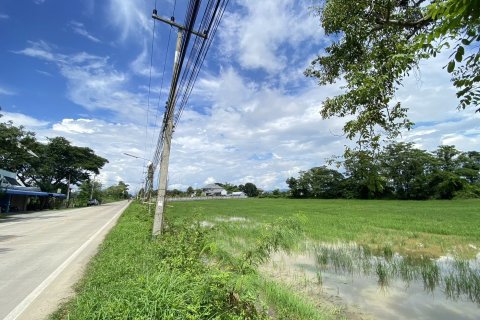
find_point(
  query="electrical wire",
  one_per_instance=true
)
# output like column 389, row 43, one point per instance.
column 210, row 21
column 149, row 88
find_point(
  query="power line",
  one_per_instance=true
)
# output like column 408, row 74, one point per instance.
column 209, row 24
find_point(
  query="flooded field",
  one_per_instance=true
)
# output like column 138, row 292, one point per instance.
column 383, row 285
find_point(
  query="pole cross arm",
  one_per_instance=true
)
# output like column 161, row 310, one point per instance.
column 179, row 26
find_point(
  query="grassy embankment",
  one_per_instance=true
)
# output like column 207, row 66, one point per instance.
column 198, row 272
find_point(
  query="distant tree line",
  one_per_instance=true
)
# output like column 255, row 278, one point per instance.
column 94, row 190
column 398, row 171
column 249, row 188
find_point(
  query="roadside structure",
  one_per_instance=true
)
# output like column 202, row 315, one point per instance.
column 15, row 196
column 213, row 190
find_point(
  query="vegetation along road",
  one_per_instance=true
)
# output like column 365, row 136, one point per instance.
column 42, row 255
column 226, row 259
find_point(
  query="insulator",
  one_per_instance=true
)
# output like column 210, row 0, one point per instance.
column 155, row 11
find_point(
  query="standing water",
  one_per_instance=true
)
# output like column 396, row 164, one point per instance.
column 389, row 286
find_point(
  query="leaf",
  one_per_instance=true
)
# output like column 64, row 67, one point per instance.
column 451, row 66
column 459, row 54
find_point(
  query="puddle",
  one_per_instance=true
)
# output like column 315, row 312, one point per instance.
column 231, row 219
column 385, row 287
column 209, row 224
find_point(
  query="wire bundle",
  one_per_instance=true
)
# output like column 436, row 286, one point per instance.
column 180, row 93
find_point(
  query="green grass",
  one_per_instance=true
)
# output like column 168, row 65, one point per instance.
column 431, row 228
column 180, row 275
column 198, row 272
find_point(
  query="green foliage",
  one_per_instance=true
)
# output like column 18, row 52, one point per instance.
column 408, row 170
column 249, row 189
column 318, row 182
column 118, row 192
column 398, row 171
column 89, row 189
column 48, row 166
column 378, row 43
column 15, row 147
column 59, row 161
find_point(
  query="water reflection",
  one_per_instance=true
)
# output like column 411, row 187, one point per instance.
column 456, row 278
column 381, row 285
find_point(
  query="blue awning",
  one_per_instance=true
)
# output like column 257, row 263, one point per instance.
column 34, row 193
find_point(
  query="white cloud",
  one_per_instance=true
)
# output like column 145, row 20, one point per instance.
column 258, row 34
column 93, row 83
column 39, row 1
column 74, row 126
column 20, row 119
column 251, row 133
column 141, row 64
column 131, row 17
column 79, row 28
column 42, row 50
column 4, row 16
column 6, row 92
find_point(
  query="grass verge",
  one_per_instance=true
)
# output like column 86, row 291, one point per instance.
column 181, row 275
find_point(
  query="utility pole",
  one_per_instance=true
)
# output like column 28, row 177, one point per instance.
column 93, row 184
column 169, row 115
column 165, row 157
column 68, row 191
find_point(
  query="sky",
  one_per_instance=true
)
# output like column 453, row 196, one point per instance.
column 85, row 70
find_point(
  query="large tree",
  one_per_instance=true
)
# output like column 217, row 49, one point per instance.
column 377, row 43
column 407, row 170
column 58, row 162
column 250, row 189
column 318, row 182
column 16, row 146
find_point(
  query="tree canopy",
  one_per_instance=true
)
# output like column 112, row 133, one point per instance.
column 48, row 166
column 376, row 45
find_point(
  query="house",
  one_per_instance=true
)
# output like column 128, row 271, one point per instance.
column 238, row 194
column 213, row 190
column 15, row 196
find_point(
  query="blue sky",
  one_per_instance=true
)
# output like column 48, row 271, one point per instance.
column 80, row 69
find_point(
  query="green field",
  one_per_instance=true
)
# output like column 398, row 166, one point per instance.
column 206, row 264
column 431, row 228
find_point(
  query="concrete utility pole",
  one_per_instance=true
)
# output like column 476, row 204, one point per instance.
column 165, row 157
column 169, row 115
column 93, row 184
column 68, row 191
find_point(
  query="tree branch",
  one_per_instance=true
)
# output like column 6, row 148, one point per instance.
column 406, row 24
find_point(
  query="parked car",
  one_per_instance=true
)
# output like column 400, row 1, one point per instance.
column 93, row 202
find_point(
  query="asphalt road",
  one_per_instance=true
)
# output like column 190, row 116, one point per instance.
column 43, row 254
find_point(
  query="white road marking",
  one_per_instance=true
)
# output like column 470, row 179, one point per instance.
column 17, row 311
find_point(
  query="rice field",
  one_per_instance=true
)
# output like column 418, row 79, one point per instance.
column 414, row 228
column 285, row 259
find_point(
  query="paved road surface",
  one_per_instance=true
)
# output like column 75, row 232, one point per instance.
column 43, row 254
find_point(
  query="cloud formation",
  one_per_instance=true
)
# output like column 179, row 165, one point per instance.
column 79, row 28
column 269, row 34
column 92, row 82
